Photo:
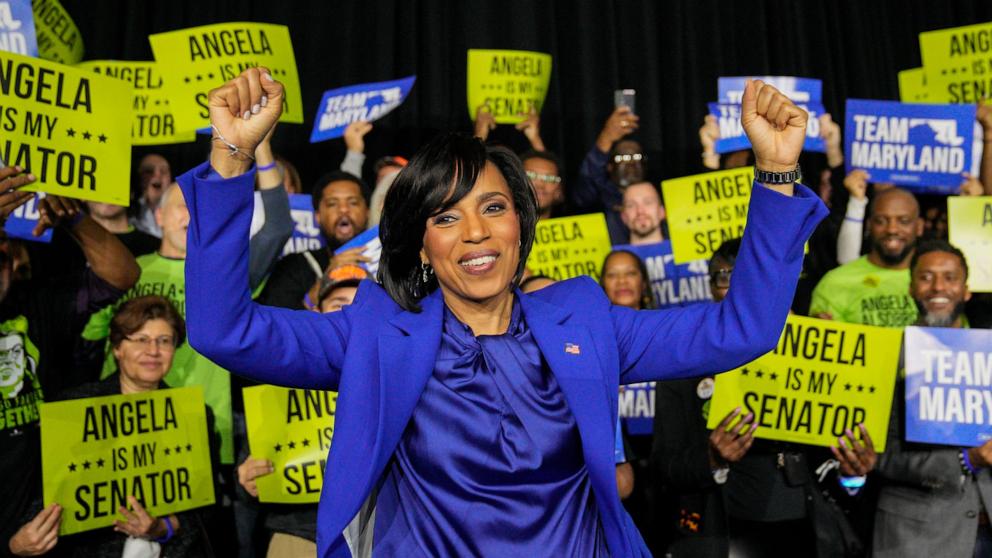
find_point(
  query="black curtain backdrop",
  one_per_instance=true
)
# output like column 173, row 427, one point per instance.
column 671, row 52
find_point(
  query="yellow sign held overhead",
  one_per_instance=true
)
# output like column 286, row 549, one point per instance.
column 706, row 209
column 153, row 123
column 958, row 63
column 293, row 429
column 68, row 127
column 195, row 60
column 970, row 229
column 58, row 37
column 823, row 377
column 509, row 82
column 566, row 247
column 96, row 452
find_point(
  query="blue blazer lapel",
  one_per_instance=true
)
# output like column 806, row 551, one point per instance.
column 406, row 361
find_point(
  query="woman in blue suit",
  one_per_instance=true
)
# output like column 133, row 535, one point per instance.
column 473, row 420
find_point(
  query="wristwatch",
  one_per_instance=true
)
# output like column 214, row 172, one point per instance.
column 789, row 177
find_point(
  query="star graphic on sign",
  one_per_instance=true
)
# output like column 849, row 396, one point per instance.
column 186, row 79
column 871, row 389
column 709, row 217
column 688, row 221
column 210, row 75
column 199, row 77
column 773, row 376
column 167, row 451
column 278, row 448
column 86, row 464
column 861, row 388
column 70, row 132
column 72, row 467
column 291, row 444
column 744, row 371
column 179, row 449
column 759, row 373
column 102, row 138
column 99, row 463
column 87, row 135
column 305, row 442
column 847, row 387
column 189, row 448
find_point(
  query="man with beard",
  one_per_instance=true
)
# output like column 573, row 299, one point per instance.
column 342, row 213
column 934, row 500
column 873, row 289
column 642, row 213
column 613, row 164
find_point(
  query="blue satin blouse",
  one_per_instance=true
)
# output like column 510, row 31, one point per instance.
column 491, row 460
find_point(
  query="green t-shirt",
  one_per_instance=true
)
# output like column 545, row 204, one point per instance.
column 166, row 277
column 860, row 292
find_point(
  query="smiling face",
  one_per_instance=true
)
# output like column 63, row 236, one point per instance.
column 642, row 210
column 474, row 245
column 342, row 212
column 544, row 177
column 145, row 356
column 894, row 226
column 622, row 280
column 939, row 286
column 154, row 174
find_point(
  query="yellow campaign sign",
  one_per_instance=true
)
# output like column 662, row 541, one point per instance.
column 822, row 378
column 152, row 122
column 958, row 63
column 195, row 60
column 96, row 452
column 293, row 429
column 509, row 82
column 913, row 86
column 58, row 37
column 68, row 127
column 970, row 229
column 566, row 247
column 706, row 209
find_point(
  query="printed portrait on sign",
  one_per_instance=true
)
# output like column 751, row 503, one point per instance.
column 16, row 366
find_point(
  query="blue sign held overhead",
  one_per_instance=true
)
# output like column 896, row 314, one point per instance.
column 805, row 92
column 800, row 90
column 948, row 385
column 306, row 231
column 373, row 248
column 17, row 28
column 923, row 147
column 368, row 101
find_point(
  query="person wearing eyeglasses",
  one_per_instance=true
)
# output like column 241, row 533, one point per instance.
column 144, row 335
column 544, row 172
column 612, row 164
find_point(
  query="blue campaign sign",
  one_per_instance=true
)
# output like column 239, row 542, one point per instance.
column 17, row 28
column 948, row 385
column 636, row 408
column 732, row 137
column 306, row 232
column 373, row 248
column 671, row 284
column 800, row 90
column 366, row 101
column 922, row 147
column 22, row 221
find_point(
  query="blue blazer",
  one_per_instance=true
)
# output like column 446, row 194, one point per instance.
column 378, row 357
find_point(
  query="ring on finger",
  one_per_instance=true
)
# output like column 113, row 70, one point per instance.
column 623, row 123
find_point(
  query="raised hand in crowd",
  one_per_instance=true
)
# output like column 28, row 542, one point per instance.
column 138, row 523
column 12, row 178
column 484, row 122
column 355, row 256
column 776, row 128
column 830, row 132
column 856, row 183
column 621, row 122
column 531, row 128
column 242, row 111
column 709, row 133
column 729, row 445
column 857, row 457
column 56, row 211
column 354, row 135
column 250, row 470
column 39, row 535
column 265, row 160
column 984, row 116
column 970, row 186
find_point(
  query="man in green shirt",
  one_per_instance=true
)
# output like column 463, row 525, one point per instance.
column 874, row 289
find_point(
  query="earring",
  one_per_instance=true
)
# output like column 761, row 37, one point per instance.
column 426, row 271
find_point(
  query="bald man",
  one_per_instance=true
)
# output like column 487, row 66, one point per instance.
column 874, row 289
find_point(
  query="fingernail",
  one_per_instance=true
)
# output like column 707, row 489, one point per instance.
column 257, row 107
column 17, row 168
column 267, row 76
column 265, row 100
column 246, row 115
column 31, row 177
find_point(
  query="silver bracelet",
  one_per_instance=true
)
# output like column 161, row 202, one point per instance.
column 232, row 149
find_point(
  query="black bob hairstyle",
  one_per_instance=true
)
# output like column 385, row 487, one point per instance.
column 437, row 177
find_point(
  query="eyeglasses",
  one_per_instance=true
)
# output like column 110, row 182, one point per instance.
column 163, row 343
column 549, row 178
column 721, row 277
column 628, row 158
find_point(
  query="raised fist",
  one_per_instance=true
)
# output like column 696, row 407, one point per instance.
column 243, row 111
column 775, row 126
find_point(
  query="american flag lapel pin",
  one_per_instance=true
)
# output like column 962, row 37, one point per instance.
column 572, row 348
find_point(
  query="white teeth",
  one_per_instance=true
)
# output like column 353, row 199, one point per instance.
column 479, row 261
column 940, row 300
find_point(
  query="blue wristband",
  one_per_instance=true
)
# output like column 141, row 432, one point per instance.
column 966, row 461
column 270, row 166
column 852, row 482
column 168, row 534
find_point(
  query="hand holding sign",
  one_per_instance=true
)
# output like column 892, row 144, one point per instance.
column 354, row 135
column 857, row 457
column 250, row 470
column 775, row 126
column 728, row 445
column 39, row 535
column 12, row 178
column 139, row 523
column 55, row 210
column 242, row 111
